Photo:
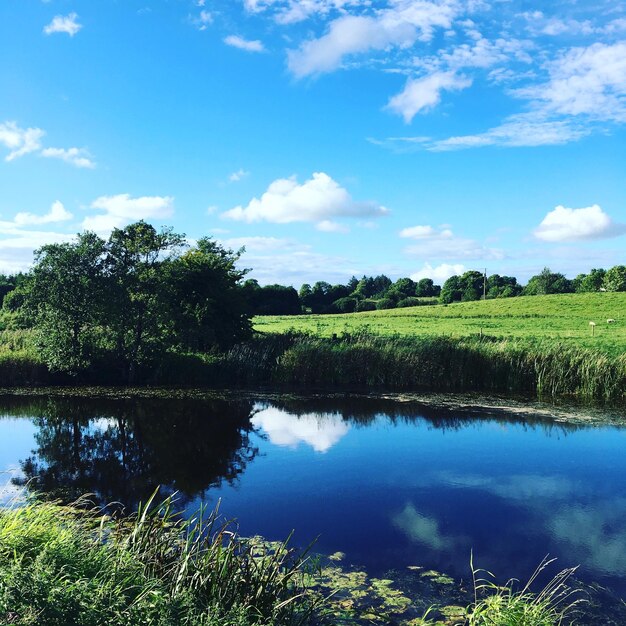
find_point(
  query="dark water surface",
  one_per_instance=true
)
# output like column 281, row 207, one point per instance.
column 390, row 484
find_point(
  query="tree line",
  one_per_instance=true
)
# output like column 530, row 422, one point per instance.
column 380, row 292
column 124, row 302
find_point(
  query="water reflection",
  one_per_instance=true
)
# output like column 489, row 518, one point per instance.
column 392, row 484
column 122, row 450
column 321, row 431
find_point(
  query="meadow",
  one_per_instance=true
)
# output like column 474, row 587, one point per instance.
column 562, row 318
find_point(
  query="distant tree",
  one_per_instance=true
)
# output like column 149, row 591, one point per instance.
column 305, row 295
column 346, row 305
column 381, row 284
column 425, row 288
column 274, row 300
column 452, row 290
column 386, row 303
column 502, row 286
column 593, row 281
column 548, row 282
column 406, row 302
column 402, row 288
column 615, row 279
column 366, row 305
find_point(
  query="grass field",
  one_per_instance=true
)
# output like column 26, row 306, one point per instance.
column 564, row 317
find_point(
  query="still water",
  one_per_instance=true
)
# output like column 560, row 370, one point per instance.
column 389, row 484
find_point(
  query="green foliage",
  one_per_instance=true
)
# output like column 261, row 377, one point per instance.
column 548, row 282
column 60, row 566
column 385, row 303
column 615, row 279
column 509, row 605
column 130, row 299
column 272, row 299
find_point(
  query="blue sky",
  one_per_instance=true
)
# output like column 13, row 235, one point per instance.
column 330, row 137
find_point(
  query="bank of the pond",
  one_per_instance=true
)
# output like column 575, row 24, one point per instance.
column 541, row 368
column 64, row 565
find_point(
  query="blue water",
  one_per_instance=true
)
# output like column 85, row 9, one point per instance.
column 388, row 490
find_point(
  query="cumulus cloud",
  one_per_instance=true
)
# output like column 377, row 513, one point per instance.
column 63, row 24
column 22, row 141
column 19, row 141
column 244, row 44
column 440, row 273
column 316, row 200
column 398, row 26
column 442, row 243
column 203, row 20
column 563, row 224
column 320, row 431
column 122, row 209
column 57, row 213
column 79, row 157
column 422, row 94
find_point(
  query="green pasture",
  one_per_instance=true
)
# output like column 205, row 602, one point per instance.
column 564, row 317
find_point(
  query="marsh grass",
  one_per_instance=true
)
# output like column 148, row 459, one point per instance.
column 511, row 605
column 63, row 565
column 429, row 363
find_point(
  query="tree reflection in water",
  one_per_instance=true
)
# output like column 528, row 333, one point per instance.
column 121, row 450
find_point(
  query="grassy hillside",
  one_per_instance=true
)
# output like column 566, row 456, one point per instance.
column 564, row 317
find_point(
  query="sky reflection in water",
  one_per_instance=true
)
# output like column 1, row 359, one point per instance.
column 390, row 485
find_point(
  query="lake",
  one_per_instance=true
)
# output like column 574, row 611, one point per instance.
column 390, row 484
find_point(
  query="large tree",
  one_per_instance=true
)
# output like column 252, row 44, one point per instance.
column 63, row 298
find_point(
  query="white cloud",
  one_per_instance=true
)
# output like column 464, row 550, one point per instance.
column 260, row 244
column 240, row 174
column 316, row 200
column 22, row 141
column 523, row 130
column 123, row 209
column 398, row 26
column 424, row 232
column 439, row 274
column 57, row 213
column 244, row 44
column 320, row 431
column 79, row 157
column 203, row 20
column 563, row 224
column 328, row 226
column 422, row 94
column 589, row 81
column 19, row 141
column 63, row 24
column 442, row 243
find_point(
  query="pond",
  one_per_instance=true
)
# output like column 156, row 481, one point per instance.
column 390, row 484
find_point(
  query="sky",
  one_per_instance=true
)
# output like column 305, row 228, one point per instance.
column 330, row 138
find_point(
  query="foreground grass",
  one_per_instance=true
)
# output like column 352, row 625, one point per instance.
column 557, row 318
column 62, row 565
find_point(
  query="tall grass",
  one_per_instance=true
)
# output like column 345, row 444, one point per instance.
column 542, row 368
column 485, row 364
column 60, row 565
column 509, row 605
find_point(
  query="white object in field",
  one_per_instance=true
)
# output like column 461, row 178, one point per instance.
column 610, row 321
